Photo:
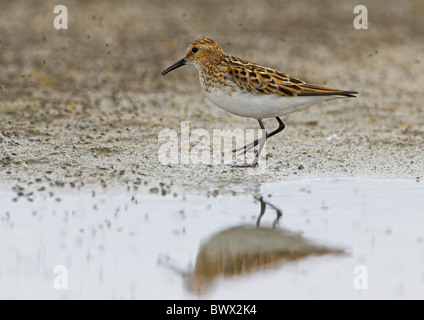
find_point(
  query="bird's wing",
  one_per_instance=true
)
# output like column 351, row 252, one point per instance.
column 262, row 80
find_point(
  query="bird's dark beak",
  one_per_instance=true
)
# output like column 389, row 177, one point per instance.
column 176, row 65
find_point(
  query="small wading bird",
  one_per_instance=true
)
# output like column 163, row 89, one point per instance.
column 251, row 90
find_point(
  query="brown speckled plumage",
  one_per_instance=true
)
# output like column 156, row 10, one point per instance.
column 236, row 73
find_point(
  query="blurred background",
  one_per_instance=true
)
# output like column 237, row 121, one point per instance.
column 125, row 44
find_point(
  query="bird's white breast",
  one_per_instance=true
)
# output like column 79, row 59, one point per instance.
column 261, row 106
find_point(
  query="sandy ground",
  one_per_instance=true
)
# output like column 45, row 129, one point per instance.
column 83, row 107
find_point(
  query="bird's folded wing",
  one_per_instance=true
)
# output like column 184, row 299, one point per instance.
column 261, row 80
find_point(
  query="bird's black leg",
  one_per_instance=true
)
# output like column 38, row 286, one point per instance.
column 261, row 143
column 280, row 128
column 253, row 144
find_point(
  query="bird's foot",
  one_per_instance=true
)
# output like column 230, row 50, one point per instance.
column 252, row 165
column 246, row 148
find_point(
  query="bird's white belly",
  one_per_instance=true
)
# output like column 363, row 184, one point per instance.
column 262, row 106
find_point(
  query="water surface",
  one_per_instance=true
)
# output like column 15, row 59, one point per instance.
column 289, row 240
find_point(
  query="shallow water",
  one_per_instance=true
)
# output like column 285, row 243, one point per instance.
column 291, row 240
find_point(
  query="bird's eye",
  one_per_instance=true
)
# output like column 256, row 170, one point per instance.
column 194, row 49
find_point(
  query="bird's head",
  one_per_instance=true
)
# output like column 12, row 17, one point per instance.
column 200, row 53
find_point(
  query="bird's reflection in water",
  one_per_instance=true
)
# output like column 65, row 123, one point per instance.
column 247, row 249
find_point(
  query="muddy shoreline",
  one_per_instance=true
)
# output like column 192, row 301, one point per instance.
column 82, row 109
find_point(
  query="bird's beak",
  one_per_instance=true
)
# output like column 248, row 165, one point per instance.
column 176, row 65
